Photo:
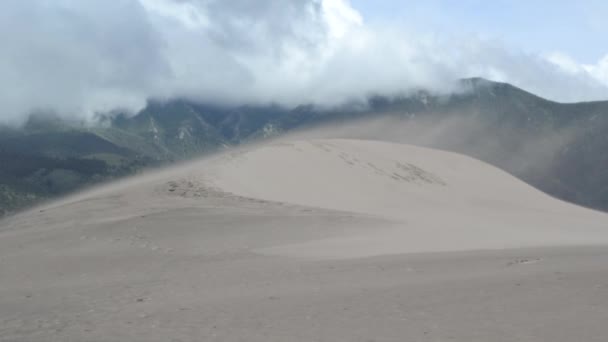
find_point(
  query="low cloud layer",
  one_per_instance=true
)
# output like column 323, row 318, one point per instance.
column 78, row 58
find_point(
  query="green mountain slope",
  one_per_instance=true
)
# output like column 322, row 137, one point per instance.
column 42, row 165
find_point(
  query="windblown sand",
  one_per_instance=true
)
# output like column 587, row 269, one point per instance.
column 319, row 240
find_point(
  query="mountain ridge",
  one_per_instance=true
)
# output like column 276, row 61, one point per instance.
column 560, row 148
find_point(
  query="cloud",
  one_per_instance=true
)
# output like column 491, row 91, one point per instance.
column 594, row 74
column 76, row 57
column 85, row 57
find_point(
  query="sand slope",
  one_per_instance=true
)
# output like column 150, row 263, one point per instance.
column 320, row 240
column 443, row 201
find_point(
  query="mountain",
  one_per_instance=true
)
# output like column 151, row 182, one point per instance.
column 40, row 165
column 561, row 149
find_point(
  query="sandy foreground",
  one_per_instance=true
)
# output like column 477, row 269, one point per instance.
column 318, row 240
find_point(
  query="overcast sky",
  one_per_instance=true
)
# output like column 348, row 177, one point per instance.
column 80, row 57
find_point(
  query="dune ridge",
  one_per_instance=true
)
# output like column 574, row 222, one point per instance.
column 431, row 193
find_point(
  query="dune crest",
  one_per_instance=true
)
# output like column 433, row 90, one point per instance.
column 373, row 177
column 436, row 200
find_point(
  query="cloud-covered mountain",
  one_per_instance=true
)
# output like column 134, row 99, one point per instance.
column 82, row 58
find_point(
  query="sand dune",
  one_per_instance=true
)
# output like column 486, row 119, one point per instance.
column 310, row 240
column 464, row 202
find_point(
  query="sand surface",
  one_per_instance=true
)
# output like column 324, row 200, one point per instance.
column 320, row 240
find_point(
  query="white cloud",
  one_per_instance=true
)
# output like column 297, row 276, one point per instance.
column 341, row 18
column 185, row 13
column 83, row 57
column 599, row 71
column 565, row 63
column 76, row 57
column 595, row 74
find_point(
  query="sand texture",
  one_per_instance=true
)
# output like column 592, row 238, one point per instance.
column 308, row 240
